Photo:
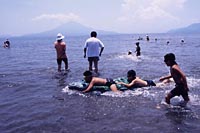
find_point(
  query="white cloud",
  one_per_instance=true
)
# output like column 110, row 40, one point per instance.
column 142, row 13
column 166, row 4
column 58, row 17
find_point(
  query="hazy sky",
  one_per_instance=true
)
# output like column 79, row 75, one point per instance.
column 127, row 16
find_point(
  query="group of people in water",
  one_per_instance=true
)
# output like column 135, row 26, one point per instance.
column 93, row 49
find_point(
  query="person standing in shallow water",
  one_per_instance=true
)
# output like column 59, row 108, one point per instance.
column 60, row 47
column 137, row 49
column 179, row 78
column 94, row 48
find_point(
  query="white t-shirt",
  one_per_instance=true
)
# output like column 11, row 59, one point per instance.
column 93, row 46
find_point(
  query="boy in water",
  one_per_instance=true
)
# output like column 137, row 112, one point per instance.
column 136, row 81
column 60, row 47
column 98, row 82
column 179, row 78
column 137, row 51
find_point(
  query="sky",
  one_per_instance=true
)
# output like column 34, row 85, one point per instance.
column 19, row 17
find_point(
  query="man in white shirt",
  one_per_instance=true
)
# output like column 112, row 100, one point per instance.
column 94, row 48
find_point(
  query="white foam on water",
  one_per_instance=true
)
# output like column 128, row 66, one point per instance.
column 130, row 93
column 130, row 57
column 72, row 92
column 193, row 82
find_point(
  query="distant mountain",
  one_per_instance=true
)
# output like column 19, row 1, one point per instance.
column 71, row 29
column 193, row 28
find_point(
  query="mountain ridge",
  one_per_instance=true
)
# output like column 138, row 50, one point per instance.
column 192, row 28
column 71, row 29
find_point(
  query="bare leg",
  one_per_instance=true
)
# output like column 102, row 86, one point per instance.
column 168, row 97
column 113, row 87
column 66, row 63
column 59, row 68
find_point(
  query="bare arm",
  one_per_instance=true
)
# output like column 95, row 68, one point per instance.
column 166, row 77
column 85, row 52
column 101, row 51
column 127, row 85
column 90, row 86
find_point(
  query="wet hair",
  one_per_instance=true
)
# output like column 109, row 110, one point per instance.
column 170, row 57
column 87, row 73
column 93, row 34
column 59, row 41
column 131, row 73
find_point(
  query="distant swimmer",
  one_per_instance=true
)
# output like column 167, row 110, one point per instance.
column 167, row 42
column 94, row 48
column 129, row 52
column 135, row 81
column 60, row 47
column 181, row 87
column 182, row 41
column 147, row 37
column 6, row 44
column 140, row 38
column 137, row 51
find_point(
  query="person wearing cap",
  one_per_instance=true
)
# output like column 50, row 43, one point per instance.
column 181, row 87
column 94, row 48
column 60, row 47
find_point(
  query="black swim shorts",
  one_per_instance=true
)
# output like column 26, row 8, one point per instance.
column 180, row 90
column 109, row 82
column 150, row 83
column 93, row 58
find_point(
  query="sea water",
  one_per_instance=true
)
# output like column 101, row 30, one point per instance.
column 34, row 97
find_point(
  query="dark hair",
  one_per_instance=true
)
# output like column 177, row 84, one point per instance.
column 137, row 43
column 87, row 73
column 59, row 41
column 170, row 57
column 93, row 34
column 131, row 73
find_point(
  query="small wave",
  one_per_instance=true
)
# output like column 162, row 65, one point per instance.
column 193, row 82
column 72, row 92
column 129, row 57
column 194, row 99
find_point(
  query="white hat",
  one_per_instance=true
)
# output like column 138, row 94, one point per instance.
column 60, row 37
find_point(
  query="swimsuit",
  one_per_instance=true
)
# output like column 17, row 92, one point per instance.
column 150, row 83
column 109, row 82
column 180, row 90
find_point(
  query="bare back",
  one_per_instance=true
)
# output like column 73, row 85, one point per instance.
column 60, row 49
column 139, row 82
column 177, row 74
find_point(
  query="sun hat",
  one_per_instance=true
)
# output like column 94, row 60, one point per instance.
column 59, row 36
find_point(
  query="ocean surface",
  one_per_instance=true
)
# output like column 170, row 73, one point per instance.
column 34, row 97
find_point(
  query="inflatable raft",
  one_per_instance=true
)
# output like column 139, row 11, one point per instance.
column 82, row 85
